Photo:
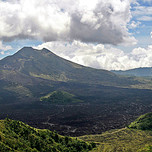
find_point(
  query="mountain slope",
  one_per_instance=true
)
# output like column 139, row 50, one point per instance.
column 140, row 72
column 16, row 136
column 29, row 63
column 30, row 74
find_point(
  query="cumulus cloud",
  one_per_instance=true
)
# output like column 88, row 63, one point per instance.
column 97, row 21
column 100, row 56
column 134, row 24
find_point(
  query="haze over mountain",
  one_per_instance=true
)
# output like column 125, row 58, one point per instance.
column 140, row 72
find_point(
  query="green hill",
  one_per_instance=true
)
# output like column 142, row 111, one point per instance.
column 15, row 136
column 60, row 97
column 136, row 138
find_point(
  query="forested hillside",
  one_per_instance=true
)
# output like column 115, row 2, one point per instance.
column 16, row 136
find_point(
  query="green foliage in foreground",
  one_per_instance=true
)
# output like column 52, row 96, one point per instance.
column 144, row 122
column 15, row 136
column 58, row 97
column 136, row 138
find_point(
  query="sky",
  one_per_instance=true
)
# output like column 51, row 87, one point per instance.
column 104, row 34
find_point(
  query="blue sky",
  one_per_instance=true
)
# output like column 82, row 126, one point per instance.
column 142, row 32
column 112, row 34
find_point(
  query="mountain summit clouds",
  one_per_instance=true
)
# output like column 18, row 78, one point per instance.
column 96, row 21
column 100, row 56
column 107, row 34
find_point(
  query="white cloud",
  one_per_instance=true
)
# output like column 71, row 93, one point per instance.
column 97, row 21
column 142, row 10
column 99, row 56
column 143, row 13
column 4, row 48
column 32, row 19
column 145, row 18
column 147, row 1
column 134, row 24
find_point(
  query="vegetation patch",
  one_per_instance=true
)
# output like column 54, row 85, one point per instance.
column 20, row 90
column 144, row 122
column 53, row 77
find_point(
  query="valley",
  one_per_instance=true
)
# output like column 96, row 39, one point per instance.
column 75, row 120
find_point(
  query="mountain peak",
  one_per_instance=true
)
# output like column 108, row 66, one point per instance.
column 31, row 49
column 25, row 50
column 27, row 47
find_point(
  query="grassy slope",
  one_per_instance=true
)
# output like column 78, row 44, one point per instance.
column 122, row 140
column 16, row 136
column 126, row 139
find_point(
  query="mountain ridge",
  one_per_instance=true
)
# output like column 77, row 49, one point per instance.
column 45, row 64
